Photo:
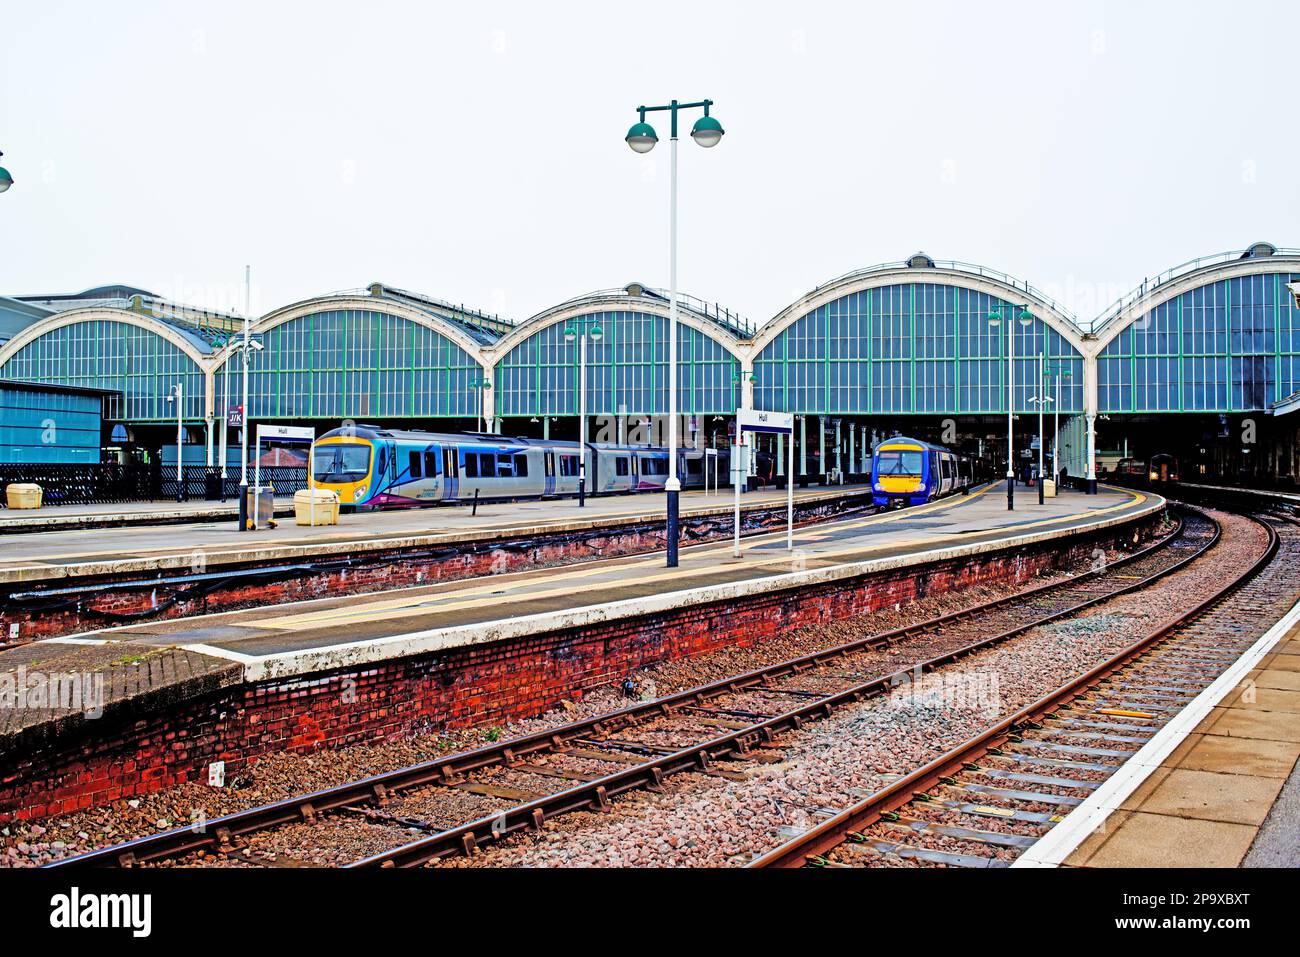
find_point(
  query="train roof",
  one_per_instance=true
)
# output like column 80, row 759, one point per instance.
column 904, row 440
column 481, row 438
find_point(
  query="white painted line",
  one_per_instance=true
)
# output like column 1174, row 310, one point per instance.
column 1089, row 816
column 216, row 652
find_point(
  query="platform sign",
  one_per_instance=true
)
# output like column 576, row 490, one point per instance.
column 754, row 420
column 235, row 417
column 772, row 423
column 285, row 433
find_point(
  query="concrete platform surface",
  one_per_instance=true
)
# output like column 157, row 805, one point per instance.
column 306, row 637
column 1229, row 795
column 45, row 555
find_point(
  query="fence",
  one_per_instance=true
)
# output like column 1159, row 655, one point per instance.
column 110, row 483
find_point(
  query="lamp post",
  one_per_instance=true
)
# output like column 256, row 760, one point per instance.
column 580, row 330
column 1040, row 399
column 995, row 320
column 480, row 387
column 177, row 395
column 1057, row 372
column 246, row 346
column 707, row 131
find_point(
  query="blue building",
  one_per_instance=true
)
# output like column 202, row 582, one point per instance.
column 50, row 424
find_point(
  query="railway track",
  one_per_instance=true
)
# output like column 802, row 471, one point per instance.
column 987, row 801
column 521, row 783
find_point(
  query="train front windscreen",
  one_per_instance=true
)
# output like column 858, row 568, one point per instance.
column 338, row 464
column 899, row 462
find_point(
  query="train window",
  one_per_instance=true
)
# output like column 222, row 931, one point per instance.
column 430, row 463
column 694, row 466
column 568, row 465
column 651, row 466
column 487, row 465
column 521, row 465
column 899, row 462
column 415, row 465
column 505, row 466
column 620, row 465
column 341, row 463
column 471, row 465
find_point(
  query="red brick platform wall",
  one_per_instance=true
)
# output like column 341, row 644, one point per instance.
column 360, row 572
column 475, row 686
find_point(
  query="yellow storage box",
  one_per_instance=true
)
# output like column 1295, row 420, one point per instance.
column 23, row 495
column 319, row 504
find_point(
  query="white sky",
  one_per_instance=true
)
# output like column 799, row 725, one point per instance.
column 473, row 151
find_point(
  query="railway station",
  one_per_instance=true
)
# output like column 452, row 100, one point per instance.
column 530, row 622
column 971, row 582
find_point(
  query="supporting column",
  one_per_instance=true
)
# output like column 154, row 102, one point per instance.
column 821, row 448
column 1090, row 409
column 803, row 445
column 839, row 446
column 546, row 426
column 1092, row 455
column 852, row 435
column 780, row 454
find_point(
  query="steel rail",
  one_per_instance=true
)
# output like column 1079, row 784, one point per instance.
column 833, row 832
column 595, row 794
column 221, row 833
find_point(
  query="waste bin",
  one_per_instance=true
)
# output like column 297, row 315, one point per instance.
column 1049, row 488
column 212, row 486
column 316, row 506
column 23, row 495
column 261, row 505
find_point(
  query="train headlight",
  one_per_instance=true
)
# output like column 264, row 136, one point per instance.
column 361, row 491
column 1154, row 476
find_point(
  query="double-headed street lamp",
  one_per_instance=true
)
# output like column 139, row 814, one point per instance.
column 995, row 320
column 707, row 131
column 481, row 388
column 1058, row 371
column 1040, row 399
column 177, row 394
column 580, row 330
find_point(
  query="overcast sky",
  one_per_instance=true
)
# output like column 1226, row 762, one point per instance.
column 474, row 151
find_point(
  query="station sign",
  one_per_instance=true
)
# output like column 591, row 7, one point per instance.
column 755, row 420
column 235, row 417
column 285, row 433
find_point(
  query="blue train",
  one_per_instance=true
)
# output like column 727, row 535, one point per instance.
column 372, row 467
column 910, row 472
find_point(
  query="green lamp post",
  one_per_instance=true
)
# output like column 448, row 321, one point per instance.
column 707, row 132
column 995, row 320
column 582, row 330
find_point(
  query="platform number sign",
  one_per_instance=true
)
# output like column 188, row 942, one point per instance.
column 235, row 417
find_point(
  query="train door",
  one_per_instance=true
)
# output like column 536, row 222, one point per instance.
column 548, row 484
column 634, row 478
column 450, row 474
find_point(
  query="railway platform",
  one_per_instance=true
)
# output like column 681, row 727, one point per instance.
column 45, row 552
column 176, row 696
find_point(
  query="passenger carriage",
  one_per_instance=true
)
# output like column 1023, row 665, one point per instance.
column 373, row 467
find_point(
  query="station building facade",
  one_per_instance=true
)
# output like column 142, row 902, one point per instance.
column 905, row 346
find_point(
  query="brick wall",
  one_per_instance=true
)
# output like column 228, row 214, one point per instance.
column 482, row 685
column 104, row 602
